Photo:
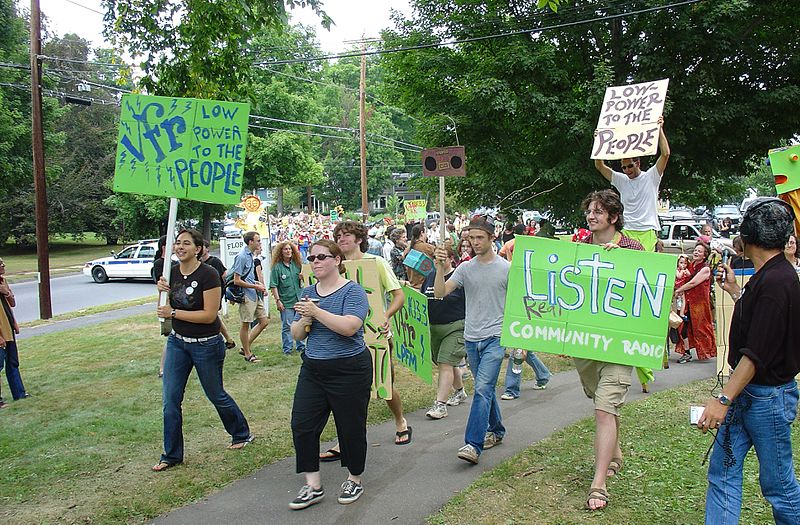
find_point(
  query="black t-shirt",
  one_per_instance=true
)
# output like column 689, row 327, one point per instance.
column 186, row 293
column 444, row 311
column 158, row 267
column 215, row 263
column 740, row 263
column 766, row 323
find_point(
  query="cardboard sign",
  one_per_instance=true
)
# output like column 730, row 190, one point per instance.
column 416, row 210
column 580, row 300
column 412, row 335
column 443, row 162
column 365, row 273
column 628, row 124
column 785, row 165
column 181, row 147
column 334, row 216
column 416, row 260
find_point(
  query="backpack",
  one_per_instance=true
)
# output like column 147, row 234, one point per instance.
column 232, row 292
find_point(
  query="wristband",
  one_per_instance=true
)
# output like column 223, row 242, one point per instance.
column 172, row 314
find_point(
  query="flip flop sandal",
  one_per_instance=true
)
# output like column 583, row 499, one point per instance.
column 241, row 351
column 599, row 494
column 404, row 433
column 230, row 344
column 330, row 455
column 240, row 446
column 162, row 466
column 252, row 359
column 614, row 466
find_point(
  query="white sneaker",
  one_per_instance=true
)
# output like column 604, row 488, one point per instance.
column 491, row 440
column 456, row 398
column 537, row 386
column 508, row 396
column 438, row 411
column 468, row 453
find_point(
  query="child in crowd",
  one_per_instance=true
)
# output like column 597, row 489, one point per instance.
column 681, row 277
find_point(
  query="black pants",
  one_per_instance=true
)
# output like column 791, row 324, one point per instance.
column 341, row 386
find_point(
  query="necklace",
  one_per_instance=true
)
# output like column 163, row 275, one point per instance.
column 186, row 275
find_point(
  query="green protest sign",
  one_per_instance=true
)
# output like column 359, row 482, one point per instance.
column 415, row 209
column 181, row 147
column 412, row 335
column 580, row 300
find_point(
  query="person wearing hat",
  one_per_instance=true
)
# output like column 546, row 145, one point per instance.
column 484, row 279
column 375, row 246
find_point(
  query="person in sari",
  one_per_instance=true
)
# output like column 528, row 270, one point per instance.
column 698, row 305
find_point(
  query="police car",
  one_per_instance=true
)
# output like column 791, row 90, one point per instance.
column 134, row 262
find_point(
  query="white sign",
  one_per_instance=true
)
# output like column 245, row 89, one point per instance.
column 229, row 248
column 628, row 124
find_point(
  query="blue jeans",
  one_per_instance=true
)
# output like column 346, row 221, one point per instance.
column 10, row 359
column 513, row 380
column 287, row 317
column 760, row 417
column 207, row 357
column 485, row 358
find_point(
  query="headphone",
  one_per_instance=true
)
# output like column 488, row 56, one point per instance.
column 747, row 230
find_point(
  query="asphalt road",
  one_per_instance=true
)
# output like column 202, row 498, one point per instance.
column 75, row 292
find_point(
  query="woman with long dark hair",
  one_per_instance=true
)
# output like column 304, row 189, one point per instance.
column 195, row 291
column 336, row 374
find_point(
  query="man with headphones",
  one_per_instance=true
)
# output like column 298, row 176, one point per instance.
column 758, row 405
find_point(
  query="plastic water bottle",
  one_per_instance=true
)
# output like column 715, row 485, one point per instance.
column 517, row 359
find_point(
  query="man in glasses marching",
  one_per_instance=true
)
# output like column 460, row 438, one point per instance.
column 638, row 191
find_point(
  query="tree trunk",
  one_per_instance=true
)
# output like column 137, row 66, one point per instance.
column 207, row 221
column 308, row 190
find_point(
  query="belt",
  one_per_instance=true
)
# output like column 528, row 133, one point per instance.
column 193, row 339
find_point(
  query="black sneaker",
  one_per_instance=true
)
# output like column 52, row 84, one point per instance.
column 307, row 497
column 351, row 491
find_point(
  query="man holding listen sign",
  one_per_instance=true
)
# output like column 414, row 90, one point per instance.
column 605, row 383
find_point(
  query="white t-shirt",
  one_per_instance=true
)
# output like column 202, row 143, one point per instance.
column 639, row 198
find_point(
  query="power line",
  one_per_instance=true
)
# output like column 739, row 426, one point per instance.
column 475, row 39
column 89, row 82
column 336, row 128
column 60, row 94
column 86, row 7
column 92, row 62
column 339, row 137
column 346, row 88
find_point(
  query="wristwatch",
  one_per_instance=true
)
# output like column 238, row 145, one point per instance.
column 724, row 400
column 172, row 314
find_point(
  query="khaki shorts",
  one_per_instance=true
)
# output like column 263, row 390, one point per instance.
column 250, row 310
column 606, row 383
column 447, row 343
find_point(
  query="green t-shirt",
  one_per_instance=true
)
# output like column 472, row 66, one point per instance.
column 286, row 278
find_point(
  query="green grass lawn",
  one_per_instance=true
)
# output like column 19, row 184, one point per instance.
column 80, row 450
column 662, row 481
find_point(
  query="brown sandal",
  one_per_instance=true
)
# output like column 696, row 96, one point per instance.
column 598, row 494
column 614, row 466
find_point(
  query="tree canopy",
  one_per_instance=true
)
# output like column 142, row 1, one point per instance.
column 526, row 105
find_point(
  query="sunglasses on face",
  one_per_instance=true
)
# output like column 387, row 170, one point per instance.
column 628, row 166
column 321, row 257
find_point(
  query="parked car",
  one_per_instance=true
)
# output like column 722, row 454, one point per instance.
column 133, row 262
column 729, row 211
column 433, row 216
column 681, row 237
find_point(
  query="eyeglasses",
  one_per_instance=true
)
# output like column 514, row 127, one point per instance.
column 628, row 166
column 595, row 212
column 321, row 257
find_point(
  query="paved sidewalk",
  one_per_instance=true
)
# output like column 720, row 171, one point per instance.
column 86, row 320
column 405, row 484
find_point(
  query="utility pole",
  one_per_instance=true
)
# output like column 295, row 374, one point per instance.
column 362, row 124
column 39, row 182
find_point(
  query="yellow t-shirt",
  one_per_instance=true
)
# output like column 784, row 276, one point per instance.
column 388, row 279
